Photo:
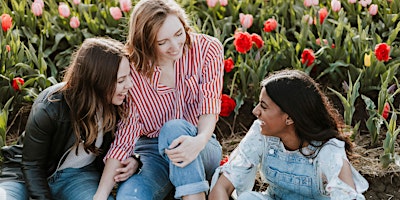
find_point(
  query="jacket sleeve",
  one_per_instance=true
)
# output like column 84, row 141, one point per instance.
column 35, row 155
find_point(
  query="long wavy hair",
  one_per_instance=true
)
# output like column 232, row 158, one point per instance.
column 91, row 81
column 144, row 24
column 298, row 95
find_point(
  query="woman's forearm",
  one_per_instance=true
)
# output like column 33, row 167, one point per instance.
column 107, row 181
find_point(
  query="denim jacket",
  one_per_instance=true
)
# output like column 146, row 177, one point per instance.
column 290, row 174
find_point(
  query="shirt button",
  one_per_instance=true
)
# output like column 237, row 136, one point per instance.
column 310, row 160
column 271, row 151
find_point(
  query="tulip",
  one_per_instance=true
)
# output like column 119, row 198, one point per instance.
column 246, row 20
column 307, row 3
column 116, row 13
column 63, row 10
column 242, row 42
column 74, row 22
column 37, row 9
column 367, row 60
column 314, row 2
column 382, row 52
column 125, row 5
column 352, row 1
column 17, row 82
column 223, row 2
column 308, row 19
column 386, row 110
column 6, row 21
column 373, row 9
column 40, row 2
column 336, row 6
column 212, row 3
column 365, row 3
column 76, row 2
column 307, row 57
column 270, row 25
column 8, row 48
column 257, row 40
column 323, row 12
column 228, row 65
column 227, row 105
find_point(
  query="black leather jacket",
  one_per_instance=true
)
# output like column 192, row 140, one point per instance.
column 48, row 136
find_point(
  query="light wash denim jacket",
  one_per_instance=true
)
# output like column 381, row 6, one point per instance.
column 290, row 174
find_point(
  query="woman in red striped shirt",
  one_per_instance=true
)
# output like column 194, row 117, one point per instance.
column 173, row 107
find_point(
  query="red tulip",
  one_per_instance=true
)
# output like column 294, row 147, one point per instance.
column 224, row 160
column 257, row 40
column 382, row 52
column 228, row 65
column 6, row 21
column 270, row 25
column 227, row 105
column 8, row 48
column 17, row 82
column 323, row 12
column 242, row 42
column 386, row 110
column 307, row 57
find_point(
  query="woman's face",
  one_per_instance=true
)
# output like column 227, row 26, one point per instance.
column 273, row 120
column 124, row 82
column 171, row 39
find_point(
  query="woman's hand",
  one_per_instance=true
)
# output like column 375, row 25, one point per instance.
column 183, row 150
column 129, row 167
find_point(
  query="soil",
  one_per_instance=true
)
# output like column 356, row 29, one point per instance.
column 384, row 184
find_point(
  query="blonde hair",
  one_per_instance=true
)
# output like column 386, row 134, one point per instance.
column 145, row 22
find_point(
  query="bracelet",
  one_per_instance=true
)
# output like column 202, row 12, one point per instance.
column 137, row 158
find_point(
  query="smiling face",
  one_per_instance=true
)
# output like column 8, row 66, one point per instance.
column 171, row 39
column 273, row 119
column 124, row 82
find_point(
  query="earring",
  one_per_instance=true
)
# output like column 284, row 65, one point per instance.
column 287, row 122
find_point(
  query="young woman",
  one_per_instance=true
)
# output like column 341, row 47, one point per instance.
column 70, row 128
column 297, row 144
column 174, row 106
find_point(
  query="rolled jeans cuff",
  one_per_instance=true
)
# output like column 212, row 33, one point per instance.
column 192, row 188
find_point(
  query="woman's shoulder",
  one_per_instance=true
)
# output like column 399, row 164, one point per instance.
column 205, row 40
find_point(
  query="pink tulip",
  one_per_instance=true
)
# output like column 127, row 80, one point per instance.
column 37, row 9
column 223, row 2
column 352, row 1
column 212, row 3
column 74, row 22
column 336, row 6
column 116, row 13
column 40, row 2
column 314, row 2
column 63, row 10
column 373, row 9
column 76, row 2
column 246, row 20
column 308, row 19
column 307, row 3
column 8, row 48
column 365, row 3
column 125, row 5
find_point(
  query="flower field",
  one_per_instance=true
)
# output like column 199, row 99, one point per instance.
column 350, row 46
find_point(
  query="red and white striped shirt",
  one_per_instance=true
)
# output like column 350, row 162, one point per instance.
column 198, row 88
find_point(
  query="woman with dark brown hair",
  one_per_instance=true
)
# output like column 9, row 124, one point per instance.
column 70, row 128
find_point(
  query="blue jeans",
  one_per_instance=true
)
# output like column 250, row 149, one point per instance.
column 69, row 184
column 13, row 190
column 158, row 176
column 76, row 183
